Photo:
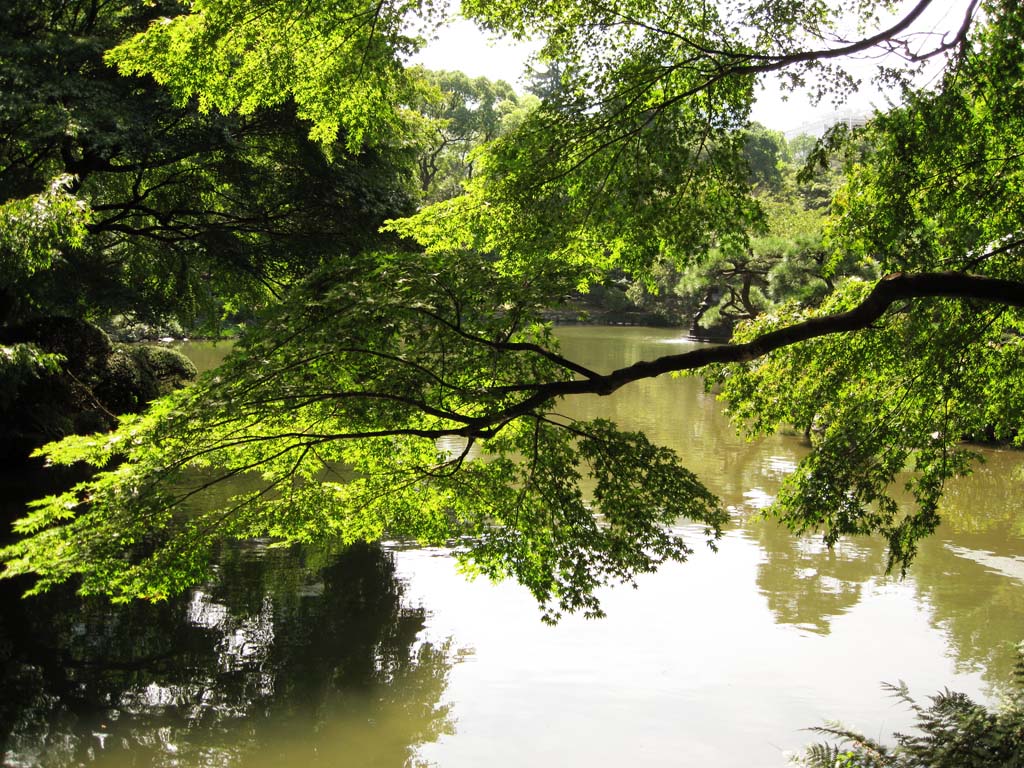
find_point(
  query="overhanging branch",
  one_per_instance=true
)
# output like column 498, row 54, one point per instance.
column 888, row 290
column 533, row 399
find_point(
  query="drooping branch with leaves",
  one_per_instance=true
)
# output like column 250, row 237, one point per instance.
column 338, row 437
column 414, row 393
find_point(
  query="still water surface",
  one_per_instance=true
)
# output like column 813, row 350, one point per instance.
column 388, row 657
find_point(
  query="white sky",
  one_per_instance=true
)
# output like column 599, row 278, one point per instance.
column 462, row 46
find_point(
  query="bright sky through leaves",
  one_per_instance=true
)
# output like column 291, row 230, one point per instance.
column 461, row 46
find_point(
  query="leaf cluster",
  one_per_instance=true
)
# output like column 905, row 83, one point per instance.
column 141, row 204
column 342, row 438
column 35, row 230
column 339, row 62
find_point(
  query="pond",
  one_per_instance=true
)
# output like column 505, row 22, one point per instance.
column 386, row 656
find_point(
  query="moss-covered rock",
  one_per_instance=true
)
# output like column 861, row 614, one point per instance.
column 96, row 381
column 83, row 346
column 135, row 375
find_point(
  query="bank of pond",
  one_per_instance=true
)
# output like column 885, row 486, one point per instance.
column 385, row 655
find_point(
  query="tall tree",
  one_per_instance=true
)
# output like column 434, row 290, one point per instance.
column 145, row 202
column 460, row 114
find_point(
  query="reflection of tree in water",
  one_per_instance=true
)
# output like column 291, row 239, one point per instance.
column 974, row 585
column 989, row 499
column 803, row 582
column 292, row 657
column 970, row 575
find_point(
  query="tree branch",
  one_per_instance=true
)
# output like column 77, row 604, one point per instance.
column 890, row 289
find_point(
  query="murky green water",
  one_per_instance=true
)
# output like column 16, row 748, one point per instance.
column 388, row 657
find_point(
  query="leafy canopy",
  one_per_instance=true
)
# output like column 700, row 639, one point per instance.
column 343, row 431
column 340, row 62
column 120, row 197
column 349, row 401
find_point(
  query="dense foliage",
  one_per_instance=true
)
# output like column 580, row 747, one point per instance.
column 122, row 198
column 121, row 203
column 407, row 386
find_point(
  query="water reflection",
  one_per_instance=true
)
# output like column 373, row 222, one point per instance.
column 291, row 657
column 973, row 600
column 969, row 576
column 309, row 657
column 805, row 583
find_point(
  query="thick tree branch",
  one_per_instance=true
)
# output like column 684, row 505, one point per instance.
column 888, row 290
column 537, row 397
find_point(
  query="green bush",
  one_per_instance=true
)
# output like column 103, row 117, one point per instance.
column 135, row 375
column 952, row 732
